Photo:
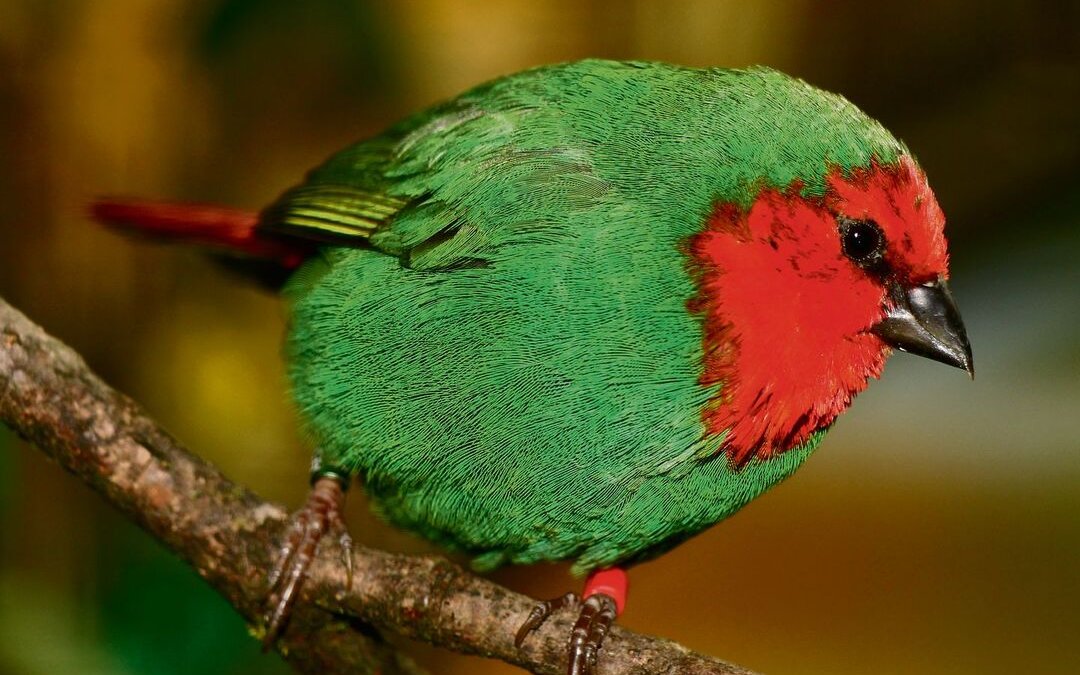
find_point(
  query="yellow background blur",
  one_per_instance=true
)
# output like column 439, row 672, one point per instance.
column 937, row 529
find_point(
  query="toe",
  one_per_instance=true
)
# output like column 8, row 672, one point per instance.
column 539, row 614
column 309, row 525
column 597, row 614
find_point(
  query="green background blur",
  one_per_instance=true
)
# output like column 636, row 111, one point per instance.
column 937, row 529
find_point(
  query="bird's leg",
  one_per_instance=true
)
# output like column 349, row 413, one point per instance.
column 604, row 599
column 322, row 513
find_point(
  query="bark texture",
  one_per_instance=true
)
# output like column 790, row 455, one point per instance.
column 229, row 535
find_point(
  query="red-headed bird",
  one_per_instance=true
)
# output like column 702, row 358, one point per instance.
column 586, row 311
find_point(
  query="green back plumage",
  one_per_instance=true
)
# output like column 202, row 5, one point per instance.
column 505, row 352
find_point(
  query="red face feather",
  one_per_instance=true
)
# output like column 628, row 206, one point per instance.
column 787, row 313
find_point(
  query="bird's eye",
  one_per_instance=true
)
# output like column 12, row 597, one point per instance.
column 862, row 241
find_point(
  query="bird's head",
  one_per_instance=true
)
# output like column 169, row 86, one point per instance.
column 803, row 297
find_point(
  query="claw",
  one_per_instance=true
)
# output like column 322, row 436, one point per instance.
column 539, row 614
column 321, row 513
column 345, row 543
column 605, row 595
column 597, row 614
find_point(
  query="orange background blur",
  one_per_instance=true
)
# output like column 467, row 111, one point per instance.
column 936, row 531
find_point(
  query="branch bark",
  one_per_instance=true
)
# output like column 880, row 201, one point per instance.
column 228, row 535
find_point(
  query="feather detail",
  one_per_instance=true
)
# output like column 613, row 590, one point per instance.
column 233, row 230
column 331, row 213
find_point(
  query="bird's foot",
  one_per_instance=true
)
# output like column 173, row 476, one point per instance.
column 541, row 611
column 322, row 514
column 605, row 596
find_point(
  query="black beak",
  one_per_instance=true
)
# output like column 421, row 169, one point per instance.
column 924, row 320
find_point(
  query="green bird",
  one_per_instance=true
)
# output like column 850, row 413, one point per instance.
column 586, row 311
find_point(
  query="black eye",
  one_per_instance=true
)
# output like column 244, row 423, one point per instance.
column 862, row 240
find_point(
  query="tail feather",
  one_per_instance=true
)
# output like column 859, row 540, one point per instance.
column 202, row 224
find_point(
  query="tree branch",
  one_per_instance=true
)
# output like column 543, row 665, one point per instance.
column 229, row 535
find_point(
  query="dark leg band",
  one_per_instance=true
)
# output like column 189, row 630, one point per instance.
column 320, row 470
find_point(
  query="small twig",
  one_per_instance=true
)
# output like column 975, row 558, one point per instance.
column 228, row 535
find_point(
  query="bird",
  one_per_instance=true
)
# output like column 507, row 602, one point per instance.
column 585, row 311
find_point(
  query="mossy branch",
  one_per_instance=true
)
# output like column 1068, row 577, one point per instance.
column 228, row 535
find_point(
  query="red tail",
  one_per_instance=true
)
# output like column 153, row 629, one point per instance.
column 203, row 224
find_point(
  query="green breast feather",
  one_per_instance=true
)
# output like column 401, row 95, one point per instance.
column 508, row 360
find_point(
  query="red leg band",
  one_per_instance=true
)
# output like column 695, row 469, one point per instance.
column 612, row 582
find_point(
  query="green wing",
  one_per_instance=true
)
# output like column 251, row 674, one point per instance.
column 503, row 162
column 444, row 188
column 341, row 202
column 383, row 193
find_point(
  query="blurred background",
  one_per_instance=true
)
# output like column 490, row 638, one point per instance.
column 936, row 531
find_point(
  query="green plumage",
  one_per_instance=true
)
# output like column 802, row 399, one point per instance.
column 508, row 359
